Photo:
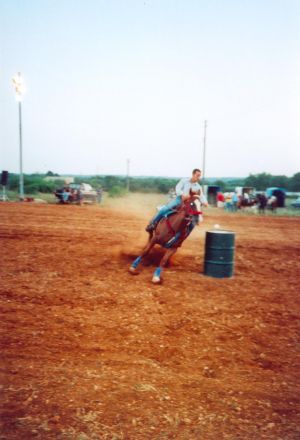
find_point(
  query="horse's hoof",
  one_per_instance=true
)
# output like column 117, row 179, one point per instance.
column 133, row 270
column 156, row 280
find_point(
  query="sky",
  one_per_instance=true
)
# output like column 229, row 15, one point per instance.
column 109, row 80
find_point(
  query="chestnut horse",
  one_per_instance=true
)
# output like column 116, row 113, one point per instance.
column 170, row 233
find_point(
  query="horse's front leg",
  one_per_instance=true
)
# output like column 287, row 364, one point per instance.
column 133, row 268
column 156, row 279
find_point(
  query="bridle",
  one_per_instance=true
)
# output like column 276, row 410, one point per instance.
column 188, row 207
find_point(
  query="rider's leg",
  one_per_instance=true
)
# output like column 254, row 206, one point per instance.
column 166, row 208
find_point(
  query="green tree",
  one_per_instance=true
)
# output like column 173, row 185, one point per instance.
column 51, row 174
column 221, row 184
column 280, row 181
column 117, row 191
column 294, row 182
column 259, row 181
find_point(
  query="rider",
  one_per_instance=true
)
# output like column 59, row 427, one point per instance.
column 183, row 188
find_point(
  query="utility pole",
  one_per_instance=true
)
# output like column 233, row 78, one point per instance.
column 204, row 150
column 21, row 183
column 19, row 86
column 127, row 173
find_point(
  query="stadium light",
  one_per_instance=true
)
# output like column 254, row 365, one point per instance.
column 19, row 85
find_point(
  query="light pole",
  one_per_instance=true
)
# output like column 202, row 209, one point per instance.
column 127, row 173
column 19, row 86
column 204, row 150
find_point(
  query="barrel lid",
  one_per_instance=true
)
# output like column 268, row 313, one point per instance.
column 220, row 231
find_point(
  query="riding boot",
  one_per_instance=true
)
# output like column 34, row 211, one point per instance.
column 150, row 227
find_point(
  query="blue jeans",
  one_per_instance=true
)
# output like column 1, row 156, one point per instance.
column 166, row 208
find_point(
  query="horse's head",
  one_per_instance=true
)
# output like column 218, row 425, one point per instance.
column 192, row 205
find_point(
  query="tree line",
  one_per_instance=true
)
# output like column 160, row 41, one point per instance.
column 264, row 180
column 117, row 185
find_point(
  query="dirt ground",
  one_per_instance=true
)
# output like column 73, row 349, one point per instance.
column 91, row 352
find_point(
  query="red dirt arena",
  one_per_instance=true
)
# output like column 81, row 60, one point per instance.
column 91, row 352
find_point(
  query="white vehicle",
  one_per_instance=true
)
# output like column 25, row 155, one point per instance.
column 89, row 194
column 78, row 193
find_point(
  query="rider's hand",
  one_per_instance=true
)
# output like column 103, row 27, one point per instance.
column 184, row 198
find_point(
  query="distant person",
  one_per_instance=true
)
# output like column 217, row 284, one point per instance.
column 220, row 200
column 73, row 195
column 182, row 190
column 246, row 198
column 65, row 195
column 99, row 195
column 79, row 197
column 272, row 203
column 228, row 202
column 262, row 203
column 235, row 201
column 240, row 201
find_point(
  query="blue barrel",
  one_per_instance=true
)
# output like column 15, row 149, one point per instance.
column 219, row 254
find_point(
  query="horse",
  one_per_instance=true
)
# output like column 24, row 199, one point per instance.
column 272, row 204
column 170, row 233
column 262, row 203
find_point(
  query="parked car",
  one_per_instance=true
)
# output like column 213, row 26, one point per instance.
column 296, row 203
column 76, row 193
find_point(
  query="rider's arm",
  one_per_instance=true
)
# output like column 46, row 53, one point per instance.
column 203, row 199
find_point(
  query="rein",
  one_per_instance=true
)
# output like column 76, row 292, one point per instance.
column 191, row 212
column 170, row 226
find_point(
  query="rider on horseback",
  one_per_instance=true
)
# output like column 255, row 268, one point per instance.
column 171, row 231
column 184, row 188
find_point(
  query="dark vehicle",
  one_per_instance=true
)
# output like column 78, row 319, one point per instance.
column 279, row 193
column 296, row 203
column 76, row 193
column 211, row 192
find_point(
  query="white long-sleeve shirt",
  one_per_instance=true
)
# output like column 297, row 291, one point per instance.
column 184, row 186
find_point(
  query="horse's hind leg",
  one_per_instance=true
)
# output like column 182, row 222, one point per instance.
column 156, row 279
column 133, row 268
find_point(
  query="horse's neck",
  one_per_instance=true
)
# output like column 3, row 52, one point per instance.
column 178, row 220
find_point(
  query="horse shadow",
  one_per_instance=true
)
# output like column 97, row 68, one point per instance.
column 151, row 259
